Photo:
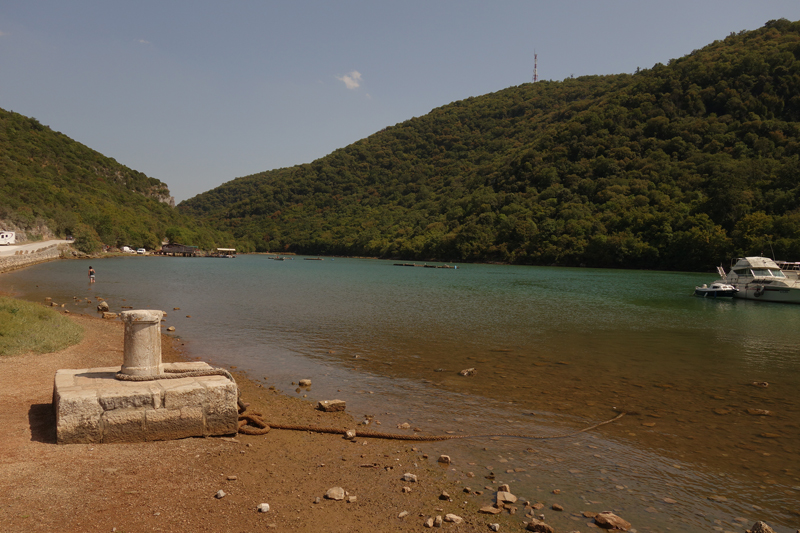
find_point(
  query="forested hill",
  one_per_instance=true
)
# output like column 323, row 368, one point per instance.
column 49, row 182
column 680, row 166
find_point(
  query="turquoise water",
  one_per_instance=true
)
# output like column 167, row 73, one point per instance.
column 554, row 349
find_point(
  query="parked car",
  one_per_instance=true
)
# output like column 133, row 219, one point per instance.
column 128, row 250
column 141, row 251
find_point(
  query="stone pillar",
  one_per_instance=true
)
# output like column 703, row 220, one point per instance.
column 142, row 351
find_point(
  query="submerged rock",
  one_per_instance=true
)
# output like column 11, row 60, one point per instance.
column 609, row 520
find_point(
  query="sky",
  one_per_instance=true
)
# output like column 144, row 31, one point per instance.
column 197, row 93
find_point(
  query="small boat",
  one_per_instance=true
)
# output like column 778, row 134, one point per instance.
column 716, row 290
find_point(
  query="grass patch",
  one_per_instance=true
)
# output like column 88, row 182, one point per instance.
column 29, row 327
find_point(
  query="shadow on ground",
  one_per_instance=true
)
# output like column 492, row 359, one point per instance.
column 42, row 419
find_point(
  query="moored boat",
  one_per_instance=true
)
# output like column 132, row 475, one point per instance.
column 716, row 290
column 761, row 278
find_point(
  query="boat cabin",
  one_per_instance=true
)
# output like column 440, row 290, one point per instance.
column 749, row 268
column 7, row 237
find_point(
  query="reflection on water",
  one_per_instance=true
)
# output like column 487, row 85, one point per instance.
column 554, row 349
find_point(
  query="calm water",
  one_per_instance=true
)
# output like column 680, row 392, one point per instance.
column 555, row 349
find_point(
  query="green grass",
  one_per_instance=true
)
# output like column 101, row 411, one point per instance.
column 29, row 327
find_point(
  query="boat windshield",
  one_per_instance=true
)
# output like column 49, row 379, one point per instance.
column 767, row 273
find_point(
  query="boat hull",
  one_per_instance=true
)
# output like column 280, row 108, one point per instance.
column 765, row 293
column 714, row 293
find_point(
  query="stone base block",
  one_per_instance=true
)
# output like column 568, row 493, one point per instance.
column 92, row 406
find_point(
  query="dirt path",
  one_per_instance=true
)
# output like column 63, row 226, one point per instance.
column 170, row 486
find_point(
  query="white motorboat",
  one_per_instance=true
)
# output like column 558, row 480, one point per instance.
column 761, row 278
column 717, row 289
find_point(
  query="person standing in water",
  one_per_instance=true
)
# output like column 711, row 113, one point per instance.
column 91, row 275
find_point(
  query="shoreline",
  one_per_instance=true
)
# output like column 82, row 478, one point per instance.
column 620, row 433
column 164, row 484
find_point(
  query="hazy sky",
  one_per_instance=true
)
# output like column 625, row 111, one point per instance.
column 196, row 93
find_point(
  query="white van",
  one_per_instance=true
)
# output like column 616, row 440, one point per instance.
column 8, row 237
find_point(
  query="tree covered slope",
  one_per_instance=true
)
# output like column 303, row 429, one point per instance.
column 676, row 167
column 47, row 180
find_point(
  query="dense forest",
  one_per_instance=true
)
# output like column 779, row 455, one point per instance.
column 680, row 166
column 48, row 181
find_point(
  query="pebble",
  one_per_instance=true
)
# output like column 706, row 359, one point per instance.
column 317, row 499
column 504, row 487
column 220, row 494
column 232, row 478
column 305, row 383
column 335, row 493
column 402, row 514
column 405, row 489
column 350, row 434
column 404, row 425
column 454, row 518
column 494, row 527
column 445, row 496
column 504, row 496
column 557, row 507
column 352, row 499
column 429, row 522
column 490, row 509
column 437, row 522
column 171, row 328
column 409, row 478
column 444, row 459
column 263, row 508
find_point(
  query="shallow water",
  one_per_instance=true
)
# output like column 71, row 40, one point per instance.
column 555, row 349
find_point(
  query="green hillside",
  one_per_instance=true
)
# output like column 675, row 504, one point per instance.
column 680, row 166
column 49, row 181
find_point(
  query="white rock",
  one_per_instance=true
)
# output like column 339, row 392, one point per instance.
column 429, row 522
column 494, row 527
column 505, row 497
column 263, row 508
column 403, row 514
column 305, row 383
column 220, row 494
column 411, row 478
column 350, row 434
column 444, row 459
column 437, row 522
column 454, row 518
column 335, row 493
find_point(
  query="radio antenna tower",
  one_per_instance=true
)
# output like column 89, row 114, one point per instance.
column 535, row 70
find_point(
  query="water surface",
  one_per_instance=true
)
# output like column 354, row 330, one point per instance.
column 555, row 349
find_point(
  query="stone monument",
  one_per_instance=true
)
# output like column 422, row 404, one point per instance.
column 93, row 406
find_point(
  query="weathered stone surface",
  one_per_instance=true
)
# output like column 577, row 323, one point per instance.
column 123, row 425
column 129, row 398
column 538, row 525
column 331, row 405
column 454, row 518
column 490, row 509
column 609, row 520
column 335, row 493
column 221, row 407
column 169, row 424
column 77, row 416
column 92, row 406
